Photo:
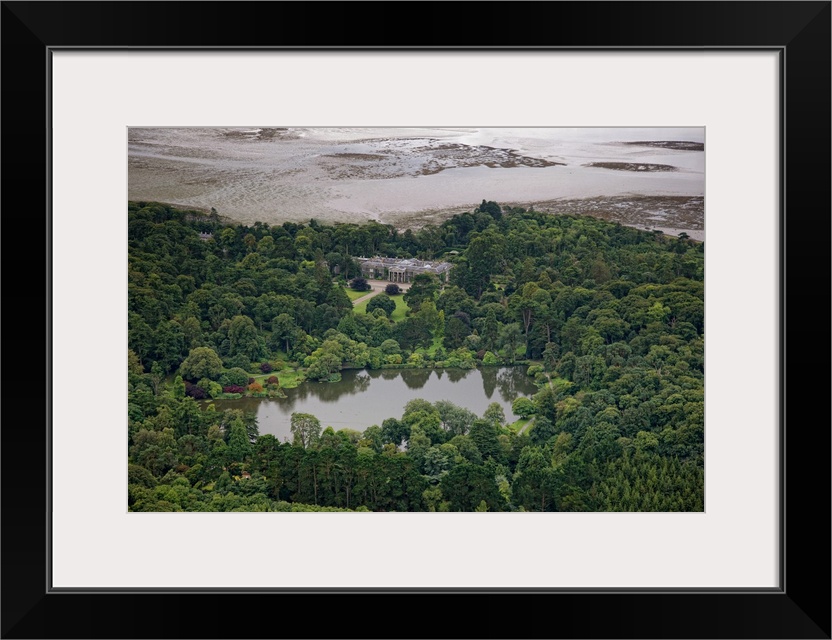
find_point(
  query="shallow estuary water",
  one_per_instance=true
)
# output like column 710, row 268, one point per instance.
column 404, row 177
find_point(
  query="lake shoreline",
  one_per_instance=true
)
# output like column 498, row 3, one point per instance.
column 300, row 378
column 345, row 403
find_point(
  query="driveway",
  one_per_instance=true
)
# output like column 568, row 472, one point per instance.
column 377, row 287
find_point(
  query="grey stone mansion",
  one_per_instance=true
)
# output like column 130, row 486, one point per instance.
column 401, row 270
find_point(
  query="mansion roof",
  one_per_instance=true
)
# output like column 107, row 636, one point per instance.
column 404, row 264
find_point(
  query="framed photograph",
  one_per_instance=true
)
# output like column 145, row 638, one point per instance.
column 88, row 83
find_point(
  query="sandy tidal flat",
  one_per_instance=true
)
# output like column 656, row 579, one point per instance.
column 408, row 177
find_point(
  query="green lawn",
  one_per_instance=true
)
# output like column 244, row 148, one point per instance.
column 517, row 426
column 437, row 342
column 398, row 312
column 354, row 295
column 289, row 377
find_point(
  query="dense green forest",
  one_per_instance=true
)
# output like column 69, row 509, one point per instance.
column 608, row 319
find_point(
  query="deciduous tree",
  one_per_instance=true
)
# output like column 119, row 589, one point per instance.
column 306, row 429
column 202, row 362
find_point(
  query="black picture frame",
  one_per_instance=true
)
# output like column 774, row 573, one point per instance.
column 799, row 31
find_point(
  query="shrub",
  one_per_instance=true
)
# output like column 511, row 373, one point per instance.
column 235, row 376
column 392, row 289
column 390, row 347
column 239, row 361
column 194, row 391
column 251, row 380
column 233, row 388
column 266, row 367
column 461, row 358
column 273, row 380
column 489, row 358
column 416, row 359
column 211, row 388
column 255, row 387
column 359, row 284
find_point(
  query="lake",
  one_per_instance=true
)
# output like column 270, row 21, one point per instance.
column 363, row 398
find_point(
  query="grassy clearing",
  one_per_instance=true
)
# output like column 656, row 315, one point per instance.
column 288, row 376
column 354, row 295
column 437, row 342
column 401, row 308
column 529, row 426
column 398, row 313
column 519, row 425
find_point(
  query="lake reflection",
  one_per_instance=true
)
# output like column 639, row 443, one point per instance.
column 364, row 398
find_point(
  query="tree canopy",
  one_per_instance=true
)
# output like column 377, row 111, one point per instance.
column 608, row 321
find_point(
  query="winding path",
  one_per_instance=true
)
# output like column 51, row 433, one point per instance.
column 526, row 426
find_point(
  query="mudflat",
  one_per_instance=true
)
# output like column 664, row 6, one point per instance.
column 409, row 177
